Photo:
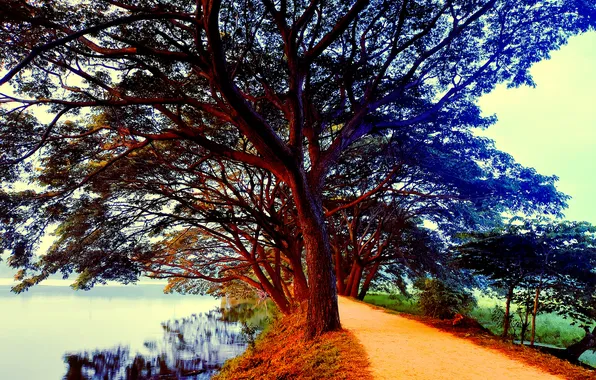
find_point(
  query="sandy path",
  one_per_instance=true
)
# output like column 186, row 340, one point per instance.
column 400, row 348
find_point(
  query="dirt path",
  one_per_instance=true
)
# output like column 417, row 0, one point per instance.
column 400, row 348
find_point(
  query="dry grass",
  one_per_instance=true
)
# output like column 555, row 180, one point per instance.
column 282, row 353
column 544, row 361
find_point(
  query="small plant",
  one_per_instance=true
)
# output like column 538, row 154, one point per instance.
column 439, row 299
column 497, row 315
column 249, row 332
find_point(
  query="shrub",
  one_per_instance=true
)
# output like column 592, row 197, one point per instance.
column 249, row 333
column 439, row 299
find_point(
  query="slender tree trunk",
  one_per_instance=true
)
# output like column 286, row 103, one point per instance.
column 339, row 273
column 367, row 281
column 277, row 256
column 359, row 269
column 507, row 319
column 289, row 295
column 323, row 313
column 301, row 290
column 524, row 328
column 277, row 295
column 534, row 313
column 348, row 285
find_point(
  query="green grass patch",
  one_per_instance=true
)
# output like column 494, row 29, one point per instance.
column 551, row 328
column 396, row 302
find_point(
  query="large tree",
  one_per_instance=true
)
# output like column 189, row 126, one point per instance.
column 295, row 82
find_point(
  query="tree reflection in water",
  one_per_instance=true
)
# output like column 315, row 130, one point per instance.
column 191, row 348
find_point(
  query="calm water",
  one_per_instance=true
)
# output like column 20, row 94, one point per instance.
column 54, row 332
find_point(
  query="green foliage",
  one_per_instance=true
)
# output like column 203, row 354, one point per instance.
column 551, row 328
column 558, row 258
column 439, row 299
column 249, row 333
column 497, row 315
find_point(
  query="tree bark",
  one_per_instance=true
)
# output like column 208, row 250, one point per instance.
column 507, row 318
column 524, row 328
column 339, row 272
column 277, row 295
column 369, row 277
column 358, row 270
column 347, row 288
column 534, row 313
column 323, row 313
column 301, row 290
column 277, row 281
column 300, row 283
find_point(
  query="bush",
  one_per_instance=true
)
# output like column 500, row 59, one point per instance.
column 249, row 333
column 438, row 299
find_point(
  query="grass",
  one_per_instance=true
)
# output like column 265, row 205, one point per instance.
column 550, row 329
column 281, row 352
column 394, row 302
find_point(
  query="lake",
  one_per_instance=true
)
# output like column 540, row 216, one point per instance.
column 53, row 332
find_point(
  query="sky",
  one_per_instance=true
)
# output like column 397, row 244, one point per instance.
column 552, row 127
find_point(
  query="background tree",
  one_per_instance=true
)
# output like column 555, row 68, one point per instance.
column 383, row 189
column 299, row 82
column 503, row 257
column 552, row 261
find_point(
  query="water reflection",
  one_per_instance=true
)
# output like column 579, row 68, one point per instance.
column 190, row 348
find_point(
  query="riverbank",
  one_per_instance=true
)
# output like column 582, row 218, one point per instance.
column 281, row 352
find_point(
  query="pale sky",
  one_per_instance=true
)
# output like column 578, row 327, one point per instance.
column 552, row 127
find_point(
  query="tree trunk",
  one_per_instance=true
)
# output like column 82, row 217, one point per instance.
column 301, row 290
column 573, row 352
column 524, row 328
column 507, row 318
column 348, row 285
column 534, row 313
column 277, row 280
column 369, row 277
column 356, row 279
column 323, row 313
column 339, row 272
column 277, row 295
column 289, row 295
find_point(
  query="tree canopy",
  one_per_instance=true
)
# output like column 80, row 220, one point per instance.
column 153, row 105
